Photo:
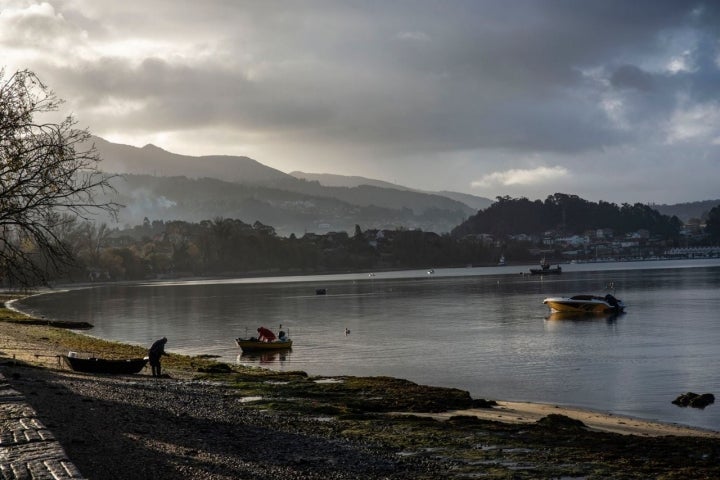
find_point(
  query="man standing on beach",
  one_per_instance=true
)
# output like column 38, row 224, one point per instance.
column 156, row 351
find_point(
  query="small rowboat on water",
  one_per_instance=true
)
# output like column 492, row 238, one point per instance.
column 102, row 365
column 255, row 345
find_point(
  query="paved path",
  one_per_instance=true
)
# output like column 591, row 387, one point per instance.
column 28, row 450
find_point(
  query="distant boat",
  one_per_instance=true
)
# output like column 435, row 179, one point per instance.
column 501, row 262
column 545, row 269
column 431, row 271
column 320, row 291
column 103, row 365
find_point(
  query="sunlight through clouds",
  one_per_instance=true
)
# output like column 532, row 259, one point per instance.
column 698, row 121
column 532, row 176
column 428, row 94
column 34, row 28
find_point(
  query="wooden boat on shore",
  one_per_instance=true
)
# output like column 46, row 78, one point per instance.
column 255, row 345
column 103, row 365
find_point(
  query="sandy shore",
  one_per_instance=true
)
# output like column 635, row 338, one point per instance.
column 525, row 412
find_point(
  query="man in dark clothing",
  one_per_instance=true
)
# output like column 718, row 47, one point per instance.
column 156, row 351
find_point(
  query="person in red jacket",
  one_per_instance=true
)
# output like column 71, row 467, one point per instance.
column 265, row 335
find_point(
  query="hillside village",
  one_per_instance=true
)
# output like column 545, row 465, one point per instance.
column 604, row 245
column 158, row 249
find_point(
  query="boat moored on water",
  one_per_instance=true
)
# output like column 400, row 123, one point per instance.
column 545, row 269
column 548, row 270
column 254, row 345
column 265, row 341
column 585, row 304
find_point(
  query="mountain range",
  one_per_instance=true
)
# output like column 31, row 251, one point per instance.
column 160, row 185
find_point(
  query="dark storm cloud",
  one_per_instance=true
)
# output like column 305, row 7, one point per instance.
column 502, row 85
column 499, row 74
column 630, row 76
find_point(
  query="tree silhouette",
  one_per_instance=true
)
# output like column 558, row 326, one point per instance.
column 712, row 226
column 48, row 175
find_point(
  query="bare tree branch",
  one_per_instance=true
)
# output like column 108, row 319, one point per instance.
column 48, row 173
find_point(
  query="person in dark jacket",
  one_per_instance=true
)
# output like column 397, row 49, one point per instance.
column 156, row 351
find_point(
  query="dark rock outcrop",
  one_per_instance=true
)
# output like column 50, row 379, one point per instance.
column 695, row 400
column 561, row 422
column 482, row 403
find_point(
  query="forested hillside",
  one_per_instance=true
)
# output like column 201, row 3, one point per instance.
column 568, row 214
column 288, row 211
column 161, row 185
column 211, row 247
column 330, row 180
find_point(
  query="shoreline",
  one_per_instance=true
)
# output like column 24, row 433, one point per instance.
column 530, row 412
column 515, row 412
column 210, row 421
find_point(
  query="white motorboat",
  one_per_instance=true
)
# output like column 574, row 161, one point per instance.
column 585, row 304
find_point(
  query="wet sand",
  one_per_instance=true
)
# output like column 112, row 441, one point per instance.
column 526, row 412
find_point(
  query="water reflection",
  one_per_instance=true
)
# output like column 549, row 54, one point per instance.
column 264, row 358
column 609, row 317
column 488, row 333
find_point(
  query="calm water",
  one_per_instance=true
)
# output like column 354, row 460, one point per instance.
column 480, row 329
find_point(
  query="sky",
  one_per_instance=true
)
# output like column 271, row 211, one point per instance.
column 610, row 100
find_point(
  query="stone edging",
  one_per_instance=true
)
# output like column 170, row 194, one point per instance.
column 28, row 450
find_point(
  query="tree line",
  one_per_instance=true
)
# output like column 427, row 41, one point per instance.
column 230, row 247
column 567, row 214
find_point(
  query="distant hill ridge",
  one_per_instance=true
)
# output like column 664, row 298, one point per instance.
column 333, row 180
column 248, row 190
column 690, row 210
column 329, row 201
column 348, row 181
column 153, row 160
